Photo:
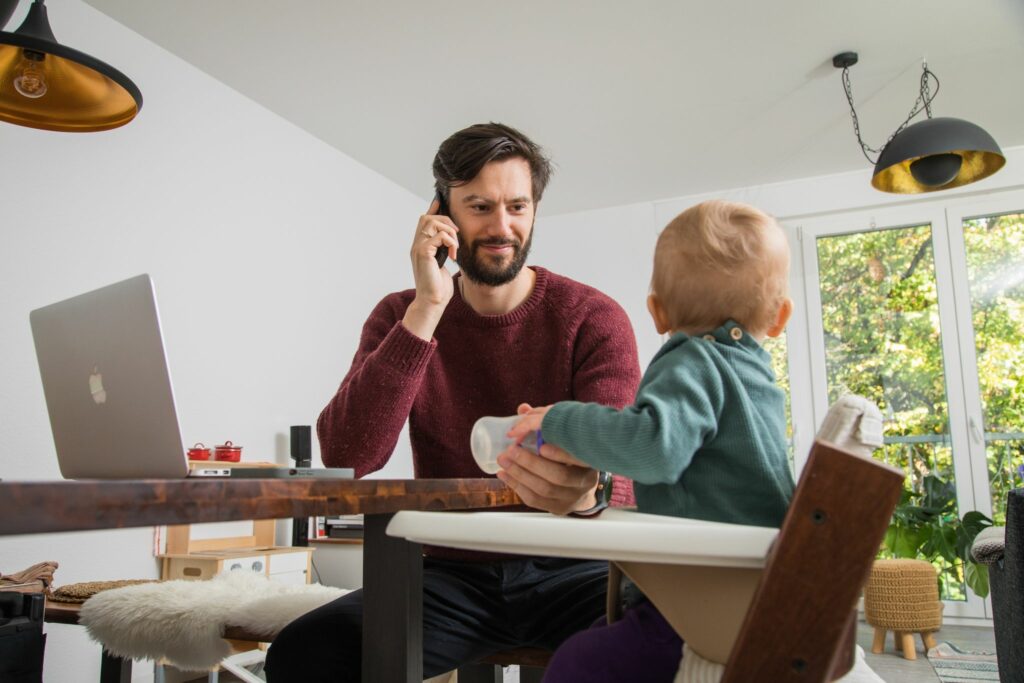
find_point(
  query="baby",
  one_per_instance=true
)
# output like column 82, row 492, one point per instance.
column 706, row 436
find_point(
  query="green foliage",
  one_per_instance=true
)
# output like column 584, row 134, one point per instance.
column 883, row 340
column 925, row 524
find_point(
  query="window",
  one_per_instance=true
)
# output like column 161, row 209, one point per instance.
column 921, row 309
column 989, row 275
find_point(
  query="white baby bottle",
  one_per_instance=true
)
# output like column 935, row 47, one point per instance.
column 488, row 439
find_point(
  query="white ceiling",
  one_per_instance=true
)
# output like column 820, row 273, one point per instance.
column 634, row 101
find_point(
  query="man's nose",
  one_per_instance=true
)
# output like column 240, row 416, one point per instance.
column 503, row 221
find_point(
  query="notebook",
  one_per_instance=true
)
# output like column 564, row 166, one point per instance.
column 108, row 390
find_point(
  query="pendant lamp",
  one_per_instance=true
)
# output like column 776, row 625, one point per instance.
column 930, row 155
column 46, row 85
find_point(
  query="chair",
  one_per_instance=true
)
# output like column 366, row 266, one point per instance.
column 774, row 605
column 1006, row 575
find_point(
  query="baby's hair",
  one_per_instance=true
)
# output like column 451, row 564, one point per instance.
column 721, row 260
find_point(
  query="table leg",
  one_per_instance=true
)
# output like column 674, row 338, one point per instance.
column 115, row 669
column 392, row 605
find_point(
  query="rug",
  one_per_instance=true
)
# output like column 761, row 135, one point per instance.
column 953, row 665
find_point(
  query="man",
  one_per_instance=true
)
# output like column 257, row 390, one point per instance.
column 446, row 353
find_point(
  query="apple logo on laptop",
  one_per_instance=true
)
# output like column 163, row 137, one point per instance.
column 99, row 394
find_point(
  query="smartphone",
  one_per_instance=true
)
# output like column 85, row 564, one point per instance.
column 442, row 210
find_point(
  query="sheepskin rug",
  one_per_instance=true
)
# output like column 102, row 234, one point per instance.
column 183, row 621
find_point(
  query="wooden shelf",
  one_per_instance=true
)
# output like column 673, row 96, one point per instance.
column 337, row 541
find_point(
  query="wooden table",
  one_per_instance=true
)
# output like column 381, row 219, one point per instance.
column 392, row 568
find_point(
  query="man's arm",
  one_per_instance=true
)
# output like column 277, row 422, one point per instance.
column 609, row 374
column 361, row 424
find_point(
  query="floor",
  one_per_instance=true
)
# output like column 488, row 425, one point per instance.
column 893, row 668
column 889, row 665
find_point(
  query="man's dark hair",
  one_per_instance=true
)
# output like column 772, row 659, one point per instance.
column 460, row 158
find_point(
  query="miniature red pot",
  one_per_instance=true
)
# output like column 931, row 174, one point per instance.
column 227, row 452
column 199, row 452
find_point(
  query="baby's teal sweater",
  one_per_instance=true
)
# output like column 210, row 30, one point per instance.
column 705, row 438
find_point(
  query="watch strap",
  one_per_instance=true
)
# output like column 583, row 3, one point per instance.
column 602, row 494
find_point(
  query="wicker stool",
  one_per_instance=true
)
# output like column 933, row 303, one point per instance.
column 902, row 596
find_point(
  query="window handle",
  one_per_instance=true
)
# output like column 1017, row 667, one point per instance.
column 976, row 434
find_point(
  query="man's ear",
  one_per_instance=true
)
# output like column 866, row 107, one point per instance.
column 781, row 318
column 658, row 314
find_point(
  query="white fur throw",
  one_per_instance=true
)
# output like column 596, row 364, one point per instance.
column 183, row 621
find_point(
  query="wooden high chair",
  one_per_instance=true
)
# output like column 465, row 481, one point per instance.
column 771, row 605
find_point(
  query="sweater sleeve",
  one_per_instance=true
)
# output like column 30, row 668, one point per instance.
column 362, row 422
column 607, row 372
column 652, row 441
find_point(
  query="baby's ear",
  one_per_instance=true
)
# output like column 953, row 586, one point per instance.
column 781, row 318
column 658, row 314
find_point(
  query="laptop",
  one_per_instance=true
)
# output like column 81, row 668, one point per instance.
column 108, row 390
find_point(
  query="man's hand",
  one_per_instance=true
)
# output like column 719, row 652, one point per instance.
column 434, row 285
column 554, row 480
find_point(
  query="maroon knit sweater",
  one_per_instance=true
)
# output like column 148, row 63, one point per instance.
column 567, row 341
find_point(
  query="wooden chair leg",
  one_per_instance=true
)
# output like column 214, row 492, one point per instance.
column 928, row 638
column 909, row 650
column 878, row 645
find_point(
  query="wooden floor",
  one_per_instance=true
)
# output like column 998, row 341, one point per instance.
column 893, row 668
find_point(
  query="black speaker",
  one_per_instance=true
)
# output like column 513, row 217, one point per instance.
column 302, row 444
column 22, row 640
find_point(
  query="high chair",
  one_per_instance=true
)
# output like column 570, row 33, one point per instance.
column 765, row 604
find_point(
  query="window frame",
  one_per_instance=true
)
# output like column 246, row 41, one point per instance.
column 959, row 363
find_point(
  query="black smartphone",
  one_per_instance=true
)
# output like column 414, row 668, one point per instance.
column 442, row 210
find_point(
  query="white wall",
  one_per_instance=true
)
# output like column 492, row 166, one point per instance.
column 268, row 249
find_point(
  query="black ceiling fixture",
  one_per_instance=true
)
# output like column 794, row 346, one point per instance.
column 930, row 155
column 44, row 84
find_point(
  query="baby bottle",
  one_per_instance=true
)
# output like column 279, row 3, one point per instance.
column 488, row 439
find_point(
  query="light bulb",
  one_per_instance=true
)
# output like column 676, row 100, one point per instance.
column 29, row 80
column 936, row 170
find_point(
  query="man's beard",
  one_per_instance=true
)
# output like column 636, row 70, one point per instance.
column 487, row 270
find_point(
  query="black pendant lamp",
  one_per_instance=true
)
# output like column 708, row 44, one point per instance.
column 930, row 155
column 46, row 85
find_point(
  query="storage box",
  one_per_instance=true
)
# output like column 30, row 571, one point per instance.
column 278, row 563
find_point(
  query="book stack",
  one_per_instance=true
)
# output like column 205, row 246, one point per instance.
column 345, row 526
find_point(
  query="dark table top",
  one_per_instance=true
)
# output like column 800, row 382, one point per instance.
column 52, row 506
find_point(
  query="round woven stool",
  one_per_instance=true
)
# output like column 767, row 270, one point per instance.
column 902, row 596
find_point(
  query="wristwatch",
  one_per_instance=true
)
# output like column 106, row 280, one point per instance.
column 602, row 494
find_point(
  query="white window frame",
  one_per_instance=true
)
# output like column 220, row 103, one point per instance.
column 950, row 264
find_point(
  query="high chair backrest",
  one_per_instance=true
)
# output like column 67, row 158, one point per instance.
column 800, row 624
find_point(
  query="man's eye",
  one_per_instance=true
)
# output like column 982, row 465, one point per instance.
column 479, row 207
column 519, row 207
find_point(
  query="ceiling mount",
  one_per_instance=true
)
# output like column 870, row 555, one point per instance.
column 844, row 60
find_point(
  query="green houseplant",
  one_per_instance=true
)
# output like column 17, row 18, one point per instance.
column 925, row 525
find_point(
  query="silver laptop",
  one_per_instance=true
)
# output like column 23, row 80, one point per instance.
column 108, row 390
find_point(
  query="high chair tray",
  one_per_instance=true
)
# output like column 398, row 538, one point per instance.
column 617, row 534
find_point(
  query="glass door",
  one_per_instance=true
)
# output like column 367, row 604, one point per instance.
column 988, row 264
column 882, row 323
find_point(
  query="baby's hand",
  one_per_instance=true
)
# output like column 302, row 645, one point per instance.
column 530, row 421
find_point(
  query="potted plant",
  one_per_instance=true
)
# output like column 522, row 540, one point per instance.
column 925, row 525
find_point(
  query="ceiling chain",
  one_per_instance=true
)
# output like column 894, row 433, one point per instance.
column 922, row 103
